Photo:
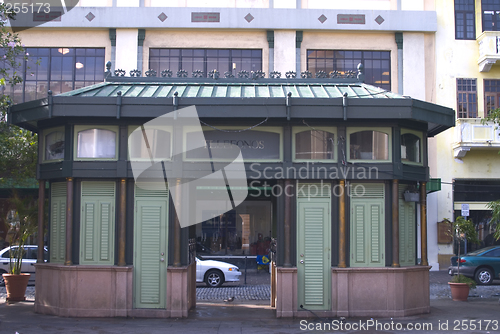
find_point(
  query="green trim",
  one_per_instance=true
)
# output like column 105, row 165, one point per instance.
column 47, row 132
column 420, row 135
column 386, row 130
column 79, row 128
column 299, row 129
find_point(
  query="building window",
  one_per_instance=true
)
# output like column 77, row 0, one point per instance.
column 464, row 19
column 205, row 60
column 368, row 144
column 96, row 143
column 467, row 98
column 158, row 145
column 377, row 64
column 411, row 146
column 54, row 144
column 491, row 95
column 491, row 15
column 314, row 144
column 58, row 69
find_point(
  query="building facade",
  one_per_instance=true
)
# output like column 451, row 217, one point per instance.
column 213, row 57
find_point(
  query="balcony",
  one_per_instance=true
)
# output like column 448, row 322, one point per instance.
column 489, row 47
column 470, row 133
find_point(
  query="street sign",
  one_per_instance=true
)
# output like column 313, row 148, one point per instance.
column 465, row 210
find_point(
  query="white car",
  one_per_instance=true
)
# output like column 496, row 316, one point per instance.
column 214, row 273
column 29, row 260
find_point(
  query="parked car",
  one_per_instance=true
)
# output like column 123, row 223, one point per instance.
column 482, row 265
column 215, row 273
column 29, row 260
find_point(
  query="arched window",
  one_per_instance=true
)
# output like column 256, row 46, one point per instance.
column 158, row 140
column 410, row 147
column 369, row 145
column 96, row 143
column 314, row 145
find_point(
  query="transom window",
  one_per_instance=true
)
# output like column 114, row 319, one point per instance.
column 58, row 69
column 54, row 144
column 205, row 60
column 377, row 64
column 368, row 145
column 467, row 98
column 464, row 19
column 96, row 143
column 158, row 145
column 314, row 144
column 411, row 146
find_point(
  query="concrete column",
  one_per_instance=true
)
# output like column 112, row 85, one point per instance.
column 69, row 222
column 288, row 217
column 423, row 225
column 140, row 46
column 284, row 55
column 342, row 226
column 395, row 223
column 177, row 228
column 270, row 41
column 414, row 65
column 399, row 42
column 122, row 222
column 298, row 44
column 126, row 45
column 112, row 38
column 41, row 214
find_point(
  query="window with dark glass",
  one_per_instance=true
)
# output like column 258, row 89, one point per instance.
column 491, row 95
column 491, row 15
column 314, row 145
column 58, row 69
column 205, row 60
column 464, row 19
column 466, row 98
column 369, row 145
column 377, row 64
column 54, row 145
column 96, row 143
column 410, row 148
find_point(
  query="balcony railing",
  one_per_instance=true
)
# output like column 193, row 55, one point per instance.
column 489, row 47
column 470, row 133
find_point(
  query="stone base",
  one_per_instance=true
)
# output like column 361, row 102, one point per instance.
column 107, row 291
column 362, row 292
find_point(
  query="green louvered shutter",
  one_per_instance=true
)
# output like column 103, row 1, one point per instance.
column 97, row 233
column 57, row 222
column 407, row 224
column 367, row 231
column 314, row 246
column 150, row 247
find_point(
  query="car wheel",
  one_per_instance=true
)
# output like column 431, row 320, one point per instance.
column 214, row 278
column 484, row 276
column 2, row 281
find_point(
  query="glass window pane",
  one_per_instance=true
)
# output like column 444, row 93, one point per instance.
column 314, row 145
column 369, row 145
column 410, row 147
column 158, row 140
column 54, row 145
column 96, row 143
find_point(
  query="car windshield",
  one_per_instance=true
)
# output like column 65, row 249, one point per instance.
column 479, row 251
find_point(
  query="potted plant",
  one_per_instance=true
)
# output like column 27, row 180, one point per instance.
column 462, row 229
column 22, row 223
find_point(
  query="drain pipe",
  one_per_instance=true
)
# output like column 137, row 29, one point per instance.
column 344, row 104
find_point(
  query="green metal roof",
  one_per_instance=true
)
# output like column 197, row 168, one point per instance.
column 216, row 89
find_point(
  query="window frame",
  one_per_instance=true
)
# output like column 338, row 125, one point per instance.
column 463, row 20
column 467, row 95
column 79, row 128
column 330, row 129
column 491, row 91
column 420, row 135
column 47, row 132
column 132, row 128
column 495, row 20
column 386, row 130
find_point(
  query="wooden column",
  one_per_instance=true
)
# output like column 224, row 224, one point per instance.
column 395, row 223
column 69, row 221
column 122, row 222
column 41, row 214
column 423, row 225
column 288, row 216
column 342, row 226
column 177, row 227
